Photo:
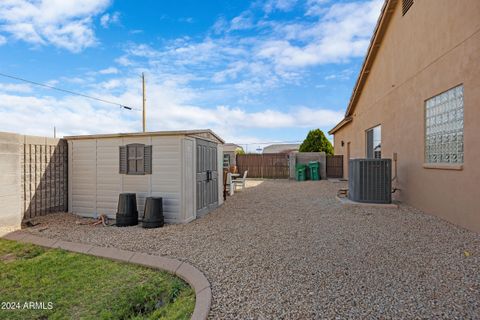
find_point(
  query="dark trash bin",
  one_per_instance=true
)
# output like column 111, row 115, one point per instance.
column 127, row 214
column 153, row 213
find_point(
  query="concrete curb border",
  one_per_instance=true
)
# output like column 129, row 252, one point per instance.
column 347, row 202
column 184, row 270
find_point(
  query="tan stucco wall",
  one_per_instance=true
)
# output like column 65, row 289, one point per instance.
column 434, row 47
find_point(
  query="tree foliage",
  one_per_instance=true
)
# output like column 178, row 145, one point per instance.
column 239, row 151
column 316, row 142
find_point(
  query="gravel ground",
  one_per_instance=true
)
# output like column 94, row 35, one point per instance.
column 289, row 250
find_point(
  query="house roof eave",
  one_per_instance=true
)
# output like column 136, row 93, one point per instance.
column 341, row 124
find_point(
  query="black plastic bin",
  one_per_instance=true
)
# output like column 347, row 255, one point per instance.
column 153, row 213
column 127, row 214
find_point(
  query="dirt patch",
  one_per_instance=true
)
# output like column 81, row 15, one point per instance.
column 9, row 257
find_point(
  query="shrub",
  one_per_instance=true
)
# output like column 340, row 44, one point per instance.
column 316, row 142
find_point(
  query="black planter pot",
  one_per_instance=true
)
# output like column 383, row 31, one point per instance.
column 153, row 213
column 127, row 214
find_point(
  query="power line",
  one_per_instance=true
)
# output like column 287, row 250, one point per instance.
column 68, row 91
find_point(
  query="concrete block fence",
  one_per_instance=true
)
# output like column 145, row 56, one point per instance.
column 33, row 178
column 304, row 158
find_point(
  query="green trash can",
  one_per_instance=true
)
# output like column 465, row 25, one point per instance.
column 314, row 167
column 301, row 172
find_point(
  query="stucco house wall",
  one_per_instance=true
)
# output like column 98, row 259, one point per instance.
column 434, row 47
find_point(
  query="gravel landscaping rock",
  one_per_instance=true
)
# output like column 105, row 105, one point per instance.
column 289, row 250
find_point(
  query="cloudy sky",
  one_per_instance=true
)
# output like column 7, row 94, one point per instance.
column 258, row 71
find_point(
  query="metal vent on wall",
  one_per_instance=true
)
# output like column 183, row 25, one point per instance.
column 406, row 4
column 369, row 180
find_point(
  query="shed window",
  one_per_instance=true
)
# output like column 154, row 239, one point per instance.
column 374, row 143
column 136, row 159
column 444, row 127
column 226, row 160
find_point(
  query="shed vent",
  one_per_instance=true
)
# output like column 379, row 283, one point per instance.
column 406, row 5
column 369, row 180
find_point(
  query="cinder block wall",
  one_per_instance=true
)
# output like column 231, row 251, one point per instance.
column 305, row 158
column 33, row 178
column 44, row 168
column 10, row 181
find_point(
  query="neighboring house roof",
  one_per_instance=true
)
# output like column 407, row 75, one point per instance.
column 281, row 148
column 231, row 147
column 380, row 30
column 204, row 133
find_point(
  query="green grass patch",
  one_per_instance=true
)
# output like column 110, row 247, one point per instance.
column 79, row 286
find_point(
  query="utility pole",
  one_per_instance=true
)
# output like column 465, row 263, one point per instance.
column 54, row 132
column 144, row 104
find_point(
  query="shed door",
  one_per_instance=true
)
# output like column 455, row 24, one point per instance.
column 207, row 176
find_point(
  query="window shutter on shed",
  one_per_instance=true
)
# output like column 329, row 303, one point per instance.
column 147, row 159
column 123, row 160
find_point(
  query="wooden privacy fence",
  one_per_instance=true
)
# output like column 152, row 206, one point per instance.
column 335, row 166
column 269, row 166
column 44, row 176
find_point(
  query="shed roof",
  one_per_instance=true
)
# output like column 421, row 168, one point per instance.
column 196, row 133
column 281, row 148
column 231, row 147
column 380, row 30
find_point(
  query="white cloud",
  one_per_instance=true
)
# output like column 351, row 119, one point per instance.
column 124, row 61
column 345, row 74
column 19, row 88
column 187, row 20
column 108, row 19
column 230, row 73
column 170, row 107
column 65, row 24
column 110, row 70
column 279, row 53
column 69, row 115
column 343, row 32
column 3, row 40
column 186, row 78
column 111, row 84
column 220, row 25
column 316, row 7
column 142, row 50
column 281, row 5
column 242, row 22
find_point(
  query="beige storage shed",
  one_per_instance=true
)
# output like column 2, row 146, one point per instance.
column 180, row 166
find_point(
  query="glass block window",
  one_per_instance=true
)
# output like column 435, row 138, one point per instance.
column 444, row 127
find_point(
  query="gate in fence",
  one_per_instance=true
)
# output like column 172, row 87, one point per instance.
column 269, row 166
column 335, row 166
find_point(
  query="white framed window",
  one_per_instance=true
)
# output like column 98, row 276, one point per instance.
column 374, row 143
column 444, row 127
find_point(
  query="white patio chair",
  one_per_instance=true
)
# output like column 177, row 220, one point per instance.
column 230, row 184
column 240, row 181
